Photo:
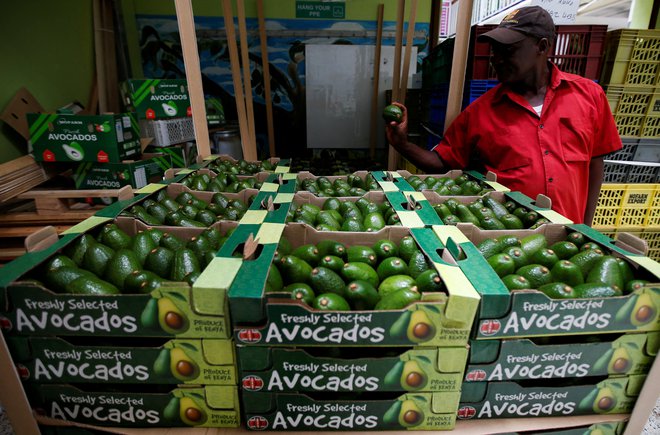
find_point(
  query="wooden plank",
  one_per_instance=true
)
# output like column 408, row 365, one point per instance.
column 394, row 158
column 375, row 110
column 406, row 58
column 186, row 24
column 247, row 81
column 265, row 69
column 459, row 62
column 236, row 75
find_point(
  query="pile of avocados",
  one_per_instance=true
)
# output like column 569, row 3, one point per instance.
column 186, row 210
column 489, row 214
column 222, row 182
column 570, row 268
column 351, row 185
column 462, row 185
column 240, row 167
column 330, row 275
column 114, row 262
column 342, row 215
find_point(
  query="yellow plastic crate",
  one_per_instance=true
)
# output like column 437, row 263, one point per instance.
column 652, row 238
column 628, row 206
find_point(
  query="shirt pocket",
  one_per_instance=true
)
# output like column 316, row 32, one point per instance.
column 505, row 150
column 575, row 135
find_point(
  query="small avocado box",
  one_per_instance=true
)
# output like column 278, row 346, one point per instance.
column 542, row 205
column 410, row 207
column 377, row 369
column 488, row 181
column 209, row 406
column 274, row 319
column 529, row 313
column 54, row 360
column 504, row 360
column 291, row 412
column 614, row 395
column 150, row 168
column 156, row 98
column 83, row 138
column 174, row 309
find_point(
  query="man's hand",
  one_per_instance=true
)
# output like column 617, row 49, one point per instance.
column 397, row 134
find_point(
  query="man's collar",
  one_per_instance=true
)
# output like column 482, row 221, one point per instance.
column 556, row 77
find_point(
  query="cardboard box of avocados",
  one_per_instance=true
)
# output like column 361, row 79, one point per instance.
column 156, row 98
column 479, row 183
column 48, row 360
column 153, row 406
column 344, row 185
column 83, row 138
column 594, row 308
column 505, row 360
column 291, row 411
column 438, row 318
column 86, row 301
column 351, row 369
column 150, row 168
column 226, row 163
column 613, row 395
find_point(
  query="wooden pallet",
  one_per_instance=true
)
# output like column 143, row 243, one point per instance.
column 38, row 208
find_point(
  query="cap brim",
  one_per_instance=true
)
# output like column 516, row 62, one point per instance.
column 503, row 36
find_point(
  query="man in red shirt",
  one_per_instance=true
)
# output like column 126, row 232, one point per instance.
column 540, row 130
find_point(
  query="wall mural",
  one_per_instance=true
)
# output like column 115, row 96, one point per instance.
column 162, row 58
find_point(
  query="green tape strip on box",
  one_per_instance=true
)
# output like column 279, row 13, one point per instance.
column 253, row 217
column 555, row 217
column 283, row 198
column 388, row 186
column 269, row 233
column 269, row 187
column 497, row 186
column 151, row 188
column 445, row 232
column 185, row 171
column 219, row 273
column 410, row 219
column 86, row 225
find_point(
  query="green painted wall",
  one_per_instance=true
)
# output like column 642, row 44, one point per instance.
column 48, row 47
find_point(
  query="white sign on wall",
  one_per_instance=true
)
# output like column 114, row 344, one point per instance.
column 561, row 11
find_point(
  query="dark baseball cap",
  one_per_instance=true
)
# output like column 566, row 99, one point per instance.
column 520, row 23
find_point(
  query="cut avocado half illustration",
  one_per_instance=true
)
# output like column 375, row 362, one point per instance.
column 170, row 108
column 74, row 151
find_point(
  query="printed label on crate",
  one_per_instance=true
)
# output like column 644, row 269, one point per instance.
column 428, row 411
column 421, row 324
column 415, row 370
column 163, row 313
column 535, row 314
column 179, row 408
column 508, row 399
column 51, row 360
column 522, row 359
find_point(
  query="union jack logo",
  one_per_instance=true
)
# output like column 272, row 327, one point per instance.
column 490, row 327
column 466, row 412
column 257, row 423
column 476, row 375
column 252, row 383
column 249, row 335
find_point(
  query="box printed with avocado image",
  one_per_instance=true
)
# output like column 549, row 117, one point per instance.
column 83, row 138
column 175, row 205
column 136, row 173
column 350, row 369
column 614, row 395
column 455, row 183
column 49, row 360
column 154, row 406
column 495, row 360
column 494, row 210
column 156, row 98
column 280, row 299
column 118, row 277
column 291, row 411
column 560, row 279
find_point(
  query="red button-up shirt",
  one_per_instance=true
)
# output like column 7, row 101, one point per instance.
column 549, row 154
